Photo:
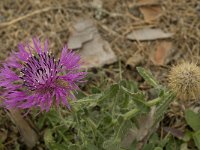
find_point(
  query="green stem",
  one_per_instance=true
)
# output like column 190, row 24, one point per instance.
column 118, row 132
column 154, row 102
column 134, row 112
column 82, row 101
column 91, row 122
column 130, row 114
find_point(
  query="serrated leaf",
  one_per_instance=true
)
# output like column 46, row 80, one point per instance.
column 196, row 137
column 91, row 147
column 95, row 90
column 111, row 92
column 58, row 146
column 131, row 85
column 187, row 136
column 167, row 98
column 193, row 119
column 140, row 103
column 138, row 98
column 184, row 146
column 148, row 146
column 112, row 144
column 148, row 77
column 80, row 95
column 41, row 121
column 73, row 147
column 48, row 137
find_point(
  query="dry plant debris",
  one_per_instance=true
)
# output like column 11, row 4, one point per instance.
column 95, row 51
column 175, row 132
column 3, row 135
column 134, row 60
column 147, row 2
column 117, row 19
column 82, row 32
column 151, row 13
column 29, row 136
column 145, row 124
column 163, row 50
column 148, row 34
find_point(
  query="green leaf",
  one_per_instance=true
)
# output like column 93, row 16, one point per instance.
column 193, row 119
column 154, row 138
column 41, row 121
column 111, row 144
column 158, row 148
column 187, row 136
column 184, row 146
column 173, row 144
column 196, row 137
column 80, row 95
column 131, row 85
column 149, row 146
column 58, row 146
column 148, row 77
column 133, row 145
column 95, row 90
column 89, row 146
column 138, row 98
column 111, row 92
column 48, row 137
column 167, row 98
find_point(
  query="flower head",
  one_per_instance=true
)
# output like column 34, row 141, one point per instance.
column 184, row 80
column 32, row 77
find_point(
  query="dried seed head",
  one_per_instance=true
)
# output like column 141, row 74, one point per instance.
column 184, row 80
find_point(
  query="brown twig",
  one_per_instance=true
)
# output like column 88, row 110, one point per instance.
column 4, row 24
column 29, row 135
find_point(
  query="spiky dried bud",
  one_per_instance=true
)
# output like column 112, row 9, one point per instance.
column 184, row 80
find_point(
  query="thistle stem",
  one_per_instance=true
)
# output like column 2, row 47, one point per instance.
column 154, row 102
column 82, row 101
column 134, row 112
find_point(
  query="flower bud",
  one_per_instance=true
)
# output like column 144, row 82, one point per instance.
column 184, row 80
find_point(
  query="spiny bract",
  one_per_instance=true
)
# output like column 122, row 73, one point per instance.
column 184, row 80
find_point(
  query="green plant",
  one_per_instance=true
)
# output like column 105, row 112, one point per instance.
column 193, row 120
column 100, row 121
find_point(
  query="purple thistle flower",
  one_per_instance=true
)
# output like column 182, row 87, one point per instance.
column 32, row 77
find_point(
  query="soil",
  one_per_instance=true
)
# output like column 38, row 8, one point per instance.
column 21, row 20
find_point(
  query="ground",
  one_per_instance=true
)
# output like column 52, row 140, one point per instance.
column 115, row 20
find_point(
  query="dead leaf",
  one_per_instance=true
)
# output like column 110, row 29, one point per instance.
column 134, row 60
column 175, row 132
column 151, row 13
column 147, row 2
column 140, row 3
column 95, row 51
column 29, row 135
column 82, row 32
column 145, row 124
column 162, row 52
column 97, row 4
column 3, row 135
column 109, row 5
column 184, row 146
column 148, row 34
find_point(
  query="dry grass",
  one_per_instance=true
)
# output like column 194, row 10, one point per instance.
column 21, row 20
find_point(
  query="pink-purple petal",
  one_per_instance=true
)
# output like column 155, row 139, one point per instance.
column 40, row 82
